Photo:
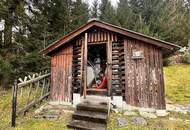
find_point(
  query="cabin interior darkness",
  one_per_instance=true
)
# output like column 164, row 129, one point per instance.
column 96, row 70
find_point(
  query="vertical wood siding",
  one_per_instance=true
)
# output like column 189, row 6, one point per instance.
column 98, row 35
column 144, row 83
column 61, row 67
column 141, row 80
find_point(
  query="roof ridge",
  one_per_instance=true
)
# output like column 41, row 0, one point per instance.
column 114, row 28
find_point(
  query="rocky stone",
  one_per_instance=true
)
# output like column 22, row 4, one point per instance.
column 148, row 115
column 162, row 113
column 182, row 109
column 170, row 107
column 47, row 116
column 68, row 111
column 122, row 122
column 149, row 110
column 130, row 113
column 128, row 107
column 178, row 108
column 118, row 101
column 39, row 110
column 175, row 119
column 53, row 111
column 139, row 121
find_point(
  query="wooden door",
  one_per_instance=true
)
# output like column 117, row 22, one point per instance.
column 61, row 77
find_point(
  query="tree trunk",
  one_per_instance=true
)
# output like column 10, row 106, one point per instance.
column 8, row 30
column 5, row 83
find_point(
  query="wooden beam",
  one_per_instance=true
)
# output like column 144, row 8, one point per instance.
column 33, row 103
column 85, row 62
column 33, row 80
column 109, row 64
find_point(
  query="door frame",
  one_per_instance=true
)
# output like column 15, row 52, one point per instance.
column 109, row 64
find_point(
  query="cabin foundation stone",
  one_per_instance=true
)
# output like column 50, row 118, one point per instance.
column 118, row 101
column 76, row 99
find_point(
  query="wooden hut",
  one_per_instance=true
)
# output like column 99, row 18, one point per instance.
column 133, row 64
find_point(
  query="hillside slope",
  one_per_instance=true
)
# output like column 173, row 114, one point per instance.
column 177, row 83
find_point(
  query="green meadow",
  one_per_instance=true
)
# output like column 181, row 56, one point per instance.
column 177, row 87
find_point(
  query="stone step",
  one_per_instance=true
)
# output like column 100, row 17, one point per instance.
column 87, row 106
column 91, row 116
column 86, row 125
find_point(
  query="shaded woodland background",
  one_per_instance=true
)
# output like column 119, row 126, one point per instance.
column 31, row 25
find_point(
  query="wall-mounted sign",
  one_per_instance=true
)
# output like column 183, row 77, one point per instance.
column 137, row 54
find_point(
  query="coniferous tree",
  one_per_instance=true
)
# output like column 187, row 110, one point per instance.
column 59, row 17
column 79, row 14
column 107, row 12
column 11, row 12
column 174, row 25
column 126, row 21
column 95, row 9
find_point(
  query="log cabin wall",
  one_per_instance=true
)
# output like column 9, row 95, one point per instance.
column 144, row 84
column 61, row 74
column 139, row 81
column 118, row 69
column 95, row 36
column 77, row 66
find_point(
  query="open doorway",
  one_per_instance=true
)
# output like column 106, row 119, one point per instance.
column 97, row 70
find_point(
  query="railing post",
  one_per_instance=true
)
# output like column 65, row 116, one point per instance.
column 14, row 103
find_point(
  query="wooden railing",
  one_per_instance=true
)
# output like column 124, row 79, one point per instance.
column 28, row 92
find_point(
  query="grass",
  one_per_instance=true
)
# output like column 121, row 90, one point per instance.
column 153, row 124
column 28, row 122
column 177, row 80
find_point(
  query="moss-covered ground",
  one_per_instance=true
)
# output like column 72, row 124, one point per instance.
column 177, row 82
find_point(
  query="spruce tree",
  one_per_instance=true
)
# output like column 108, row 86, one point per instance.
column 107, row 12
column 124, row 15
column 95, row 9
column 11, row 12
column 79, row 14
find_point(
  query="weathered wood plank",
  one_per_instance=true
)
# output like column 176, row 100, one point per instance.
column 85, row 63
column 32, row 80
column 109, row 61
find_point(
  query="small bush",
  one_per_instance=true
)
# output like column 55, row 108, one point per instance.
column 186, row 58
column 167, row 61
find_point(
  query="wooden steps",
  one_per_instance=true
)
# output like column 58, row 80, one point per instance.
column 92, row 107
column 85, row 125
column 90, row 116
column 99, row 92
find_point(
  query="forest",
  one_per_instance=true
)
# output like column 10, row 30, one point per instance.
column 28, row 26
